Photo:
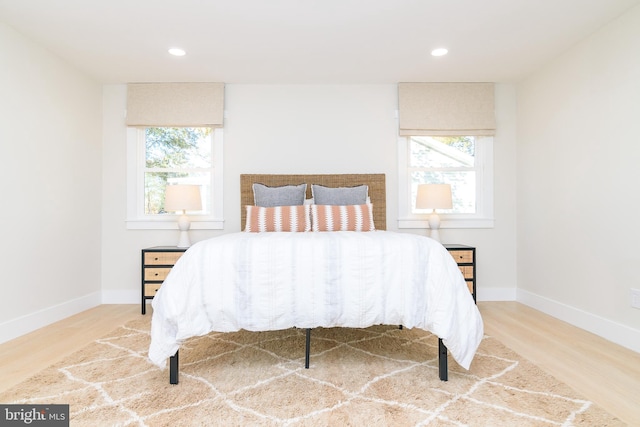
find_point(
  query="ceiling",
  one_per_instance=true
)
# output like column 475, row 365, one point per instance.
column 308, row 41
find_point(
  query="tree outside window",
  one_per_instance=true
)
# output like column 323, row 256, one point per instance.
column 176, row 156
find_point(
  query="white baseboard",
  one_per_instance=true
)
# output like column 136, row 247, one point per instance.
column 121, row 297
column 496, row 294
column 28, row 323
column 605, row 328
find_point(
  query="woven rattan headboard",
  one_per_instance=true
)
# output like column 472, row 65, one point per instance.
column 376, row 183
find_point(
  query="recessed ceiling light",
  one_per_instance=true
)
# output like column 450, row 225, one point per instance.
column 177, row 51
column 439, row 52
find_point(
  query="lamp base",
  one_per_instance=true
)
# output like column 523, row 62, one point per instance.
column 434, row 225
column 184, row 224
column 184, row 241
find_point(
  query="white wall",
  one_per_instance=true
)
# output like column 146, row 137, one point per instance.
column 308, row 129
column 578, row 177
column 50, row 121
column 304, row 129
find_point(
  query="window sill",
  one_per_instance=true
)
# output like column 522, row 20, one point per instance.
column 447, row 223
column 171, row 224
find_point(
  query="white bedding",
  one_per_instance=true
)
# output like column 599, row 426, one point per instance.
column 270, row 281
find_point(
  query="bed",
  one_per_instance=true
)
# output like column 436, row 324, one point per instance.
column 318, row 277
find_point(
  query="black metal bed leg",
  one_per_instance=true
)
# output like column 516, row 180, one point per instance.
column 173, row 369
column 307, row 350
column 442, row 360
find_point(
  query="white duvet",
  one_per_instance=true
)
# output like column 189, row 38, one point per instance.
column 270, row 281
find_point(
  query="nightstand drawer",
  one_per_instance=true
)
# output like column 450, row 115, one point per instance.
column 161, row 258
column 150, row 289
column 462, row 257
column 156, row 273
column 467, row 271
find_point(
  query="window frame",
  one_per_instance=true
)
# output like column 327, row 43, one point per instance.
column 482, row 218
column 136, row 218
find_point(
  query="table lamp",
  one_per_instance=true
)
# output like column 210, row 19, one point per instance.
column 434, row 196
column 183, row 198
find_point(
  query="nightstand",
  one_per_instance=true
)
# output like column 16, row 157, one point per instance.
column 156, row 265
column 465, row 257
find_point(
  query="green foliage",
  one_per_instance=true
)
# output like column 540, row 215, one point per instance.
column 174, row 147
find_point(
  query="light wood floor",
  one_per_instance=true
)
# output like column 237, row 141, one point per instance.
column 602, row 372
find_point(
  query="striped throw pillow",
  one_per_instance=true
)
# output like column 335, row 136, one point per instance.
column 342, row 218
column 278, row 218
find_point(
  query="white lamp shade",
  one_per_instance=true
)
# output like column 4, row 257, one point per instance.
column 182, row 197
column 434, row 196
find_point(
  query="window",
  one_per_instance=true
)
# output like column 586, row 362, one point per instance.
column 161, row 156
column 464, row 162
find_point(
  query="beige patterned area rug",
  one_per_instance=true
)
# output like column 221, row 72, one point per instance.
column 380, row 376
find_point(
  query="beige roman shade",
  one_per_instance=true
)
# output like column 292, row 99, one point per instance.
column 175, row 104
column 441, row 109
